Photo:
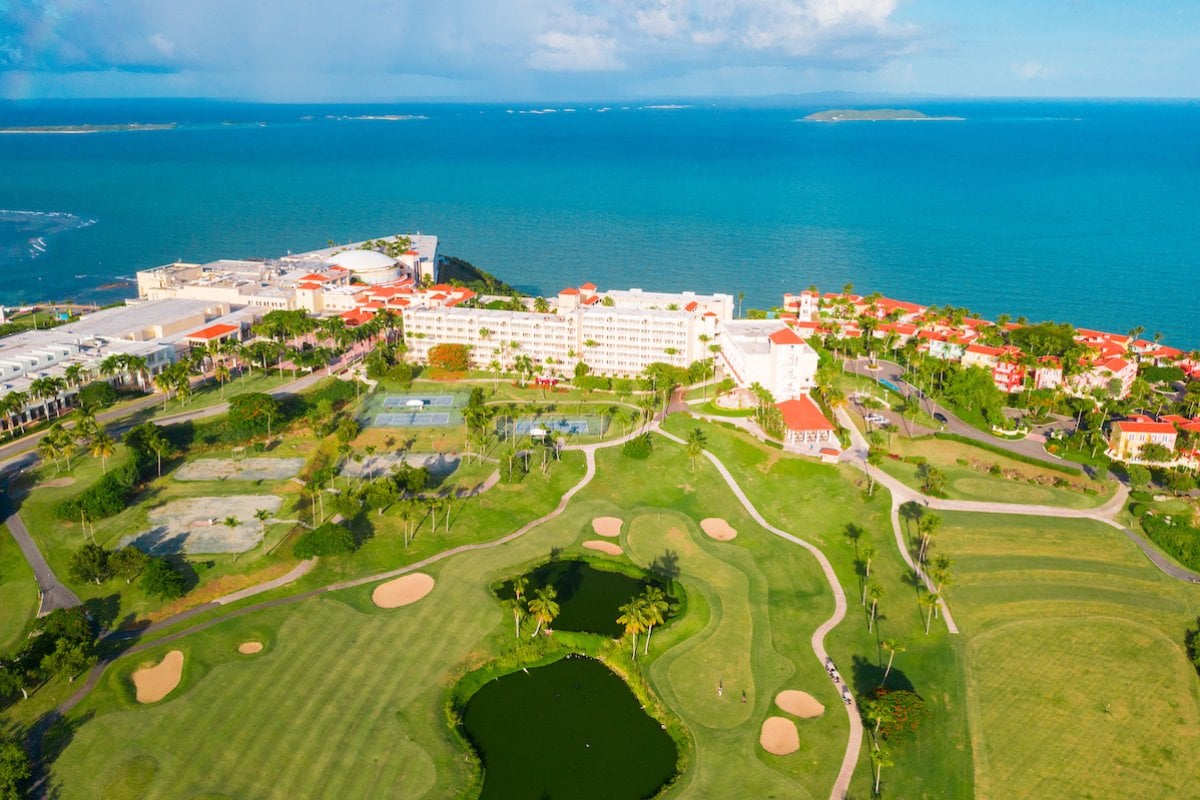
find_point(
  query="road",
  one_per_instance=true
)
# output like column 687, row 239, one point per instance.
column 53, row 593
column 894, row 373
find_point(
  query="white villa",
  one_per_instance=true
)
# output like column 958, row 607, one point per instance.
column 771, row 354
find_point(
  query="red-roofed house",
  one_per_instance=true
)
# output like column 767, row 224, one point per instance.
column 1049, row 374
column 1101, row 374
column 804, row 423
column 1129, row 436
column 214, row 333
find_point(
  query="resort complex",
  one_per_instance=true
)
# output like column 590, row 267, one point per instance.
column 363, row 522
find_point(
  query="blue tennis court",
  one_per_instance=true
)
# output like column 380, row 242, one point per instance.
column 401, row 400
column 429, row 419
column 576, row 426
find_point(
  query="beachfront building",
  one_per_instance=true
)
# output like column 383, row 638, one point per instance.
column 1008, row 373
column 319, row 281
column 1048, row 374
column 1129, row 436
column 1114, row 374
column 612, row 338
column 770, row 354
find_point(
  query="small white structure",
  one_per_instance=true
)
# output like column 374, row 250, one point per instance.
column 414, row 403
column 369, row 266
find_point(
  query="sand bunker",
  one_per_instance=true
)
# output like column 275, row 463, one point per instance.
column 155, row 683
column 717, row 529
column 603, row 547
column 57, row 483
column 244, row 469
column 402, row 591
column 779, row 736
column 250, row 648
column 197, row 525
column 607, row 526
column 802, row 704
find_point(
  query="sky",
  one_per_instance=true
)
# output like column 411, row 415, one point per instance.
column 505, row 50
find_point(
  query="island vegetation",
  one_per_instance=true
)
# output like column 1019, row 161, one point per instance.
column 871, row 115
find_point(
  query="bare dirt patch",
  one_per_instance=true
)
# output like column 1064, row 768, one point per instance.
column 607, row 526
column 250, row 648
column 197, row 525
column 381, row 464
column 801, row 704
column 402, row 591
column 717, row 529
column 603, row 547
column 244, row 469
column 156, row 682
column 57, row 483
column 779, row 736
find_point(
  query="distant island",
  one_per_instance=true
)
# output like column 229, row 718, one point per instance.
column 871, row 115
column 131, row 126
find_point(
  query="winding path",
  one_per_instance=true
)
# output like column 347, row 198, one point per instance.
column 52, row 594
column 841, row 785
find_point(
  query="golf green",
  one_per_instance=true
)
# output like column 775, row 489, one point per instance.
column 571, row 729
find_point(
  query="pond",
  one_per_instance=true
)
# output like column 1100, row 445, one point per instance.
column 588, row 598
column 571, row 729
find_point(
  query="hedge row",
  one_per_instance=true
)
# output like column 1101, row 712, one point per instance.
column 1181, row 542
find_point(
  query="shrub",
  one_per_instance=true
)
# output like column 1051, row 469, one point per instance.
column 97, row 394
column 161, row 580
column 452, row 357
column 1138, row 510
column 1180, row 541
column 907, row 711
column 106, row 497
column 639, row 447
column 918, row 460
column 329, row 539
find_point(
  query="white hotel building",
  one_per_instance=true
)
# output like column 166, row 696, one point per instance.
column 614, row 333
column 771, row 354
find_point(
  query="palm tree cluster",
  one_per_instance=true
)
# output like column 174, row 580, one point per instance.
column 61, row 444
column 641, row 614
column 937, row 568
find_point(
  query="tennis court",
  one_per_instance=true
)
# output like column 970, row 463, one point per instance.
column 403, row 400
column 575, row 426
column 407, row 419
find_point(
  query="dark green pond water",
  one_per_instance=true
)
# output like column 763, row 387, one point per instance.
column 571, row 730
column 588, row 598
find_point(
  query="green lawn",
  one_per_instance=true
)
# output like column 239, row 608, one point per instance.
column 817, row 502
column 973, row 481
column 338, row 670
column 1078, row 684
column 18, row 593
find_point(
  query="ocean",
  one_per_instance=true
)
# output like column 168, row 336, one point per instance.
column 1087, row 212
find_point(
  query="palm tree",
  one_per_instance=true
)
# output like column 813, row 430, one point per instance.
column 543, row 607
column 102, row 447
column 877, row 711
column 696, row 442
column 882, row 758
column 654, row 608
column 930, row 601
column 517, row 608
column 875, row 592
column 892, row 646
column 928, row 526
column 221, row 373
column 164, row 382
column 868, row 553
column 633, row 617
column 262, row 515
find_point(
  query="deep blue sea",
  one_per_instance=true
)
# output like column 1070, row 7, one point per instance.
column 1080, row 211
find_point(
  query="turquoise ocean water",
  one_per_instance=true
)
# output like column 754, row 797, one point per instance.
column 1083, row 211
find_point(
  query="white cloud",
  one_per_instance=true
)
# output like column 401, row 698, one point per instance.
column 1030, row 71
column 163, row 45
column 569, row 52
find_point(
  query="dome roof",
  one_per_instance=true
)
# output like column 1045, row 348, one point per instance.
column 363, row 260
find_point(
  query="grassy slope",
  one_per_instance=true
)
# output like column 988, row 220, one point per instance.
column 18, row 592
column 966, row 483
column 1077, row 680
column 816, row 502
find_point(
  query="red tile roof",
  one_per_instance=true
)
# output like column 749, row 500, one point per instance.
column 785, row 336
column 316, row 276
column 356, row 316
column 588, row 287
column 569, row 290
column 309, row 286
column 1143, row 425
column 802, row 414
column 213, row 332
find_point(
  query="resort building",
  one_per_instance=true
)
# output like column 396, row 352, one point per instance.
column 1129, row 436
column 1048, row 374
column 154, row 333
column 1003, row 362
column 770, row 354
column 1114, row 374
column 805, row 425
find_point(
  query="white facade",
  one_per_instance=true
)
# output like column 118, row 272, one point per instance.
column 771, row 354
column 610, row 339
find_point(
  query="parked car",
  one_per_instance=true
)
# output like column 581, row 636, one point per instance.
column 940, row 417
